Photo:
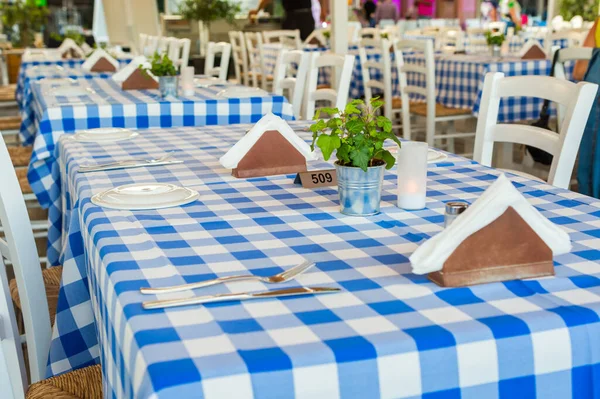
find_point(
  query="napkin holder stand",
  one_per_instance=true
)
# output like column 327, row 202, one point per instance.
column 103, row 65
column 506, row 249
column 138, row 80
column 535, row 52
column 272, row 154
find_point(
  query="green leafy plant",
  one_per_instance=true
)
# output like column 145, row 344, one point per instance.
column 357, row 135
column 588, row 9
column 21, row 19
column 160, row 66
column 209, row 11
column 494, row 38
column 70, row 34
column 327, row 34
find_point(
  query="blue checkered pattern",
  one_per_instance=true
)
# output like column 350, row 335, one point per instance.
column 32, row 70
column 109, row 106
column 389, row 334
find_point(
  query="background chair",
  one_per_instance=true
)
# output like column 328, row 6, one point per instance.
column 179, row 51
column 577, row 100
column 222, row 48
column 369, row 33
column 240, row 57
column 432, row 111
column 256, row 61
column 338, row 95
column 289, row 62
column 289, row 39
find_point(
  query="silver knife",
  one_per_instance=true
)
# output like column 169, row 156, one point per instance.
column 123, row 165
column 169, row 303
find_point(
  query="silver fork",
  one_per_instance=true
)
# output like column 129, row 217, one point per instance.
column 282, row 277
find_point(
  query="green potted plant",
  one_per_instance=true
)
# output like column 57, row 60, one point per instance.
column 207, row 12
column 21, row 20
column 495, row 39
column 163, row 68
column 357, row 135
column 588, row 9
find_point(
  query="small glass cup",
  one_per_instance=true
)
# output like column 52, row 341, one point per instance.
column 412, row 175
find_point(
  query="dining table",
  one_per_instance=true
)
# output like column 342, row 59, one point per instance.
column 64, row 108
column 389, row 333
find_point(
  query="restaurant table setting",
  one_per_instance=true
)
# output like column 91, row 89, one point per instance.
column 382, row 329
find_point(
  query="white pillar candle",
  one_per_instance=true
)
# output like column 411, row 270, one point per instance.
column 187, row 80
column 412, row 175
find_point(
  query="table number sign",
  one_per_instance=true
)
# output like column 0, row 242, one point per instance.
column 317, row 178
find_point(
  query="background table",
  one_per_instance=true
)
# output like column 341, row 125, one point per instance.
column 390, row 333
column 109, row 106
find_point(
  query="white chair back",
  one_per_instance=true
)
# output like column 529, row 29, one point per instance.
column 162, row 44
column 573, row 39
column 392, row 32
column 453, row 38
column 289, row 39
column 289, row 61
column 13, row 377
column 370, row 50
column 142, row 43
column 576, row 99
column 384, row 23
column 354, row 28
column 577, row 22
column 179, row 51
column 148, row 45
column 256, row 59
column 318, row 35
column 369, row 33
column 19, row 248
column 427, row 72
column 209, row 65
column 338, row 94
column 570, row 54
column 240, row 57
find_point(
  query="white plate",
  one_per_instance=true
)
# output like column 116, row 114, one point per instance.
column 209, row 81
column 433, row 156
column 104, row 135
column 70, row 91
column 141, row 196
column 242, row 92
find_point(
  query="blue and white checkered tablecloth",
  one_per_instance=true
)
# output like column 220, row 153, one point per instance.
column 389, row 334
column 459, row 80
column 106, row 105
column 32, row 70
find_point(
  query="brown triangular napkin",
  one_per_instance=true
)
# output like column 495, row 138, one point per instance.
column 103, row 65
column 138, row 80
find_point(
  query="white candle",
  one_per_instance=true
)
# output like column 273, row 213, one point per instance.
column 412, row 175
column 187, row 80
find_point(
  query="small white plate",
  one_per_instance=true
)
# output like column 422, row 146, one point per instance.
column 242, row 92
column 433, row 156
column 70, row 91
column 140, row 196
column 104, row 135
column 209, row 81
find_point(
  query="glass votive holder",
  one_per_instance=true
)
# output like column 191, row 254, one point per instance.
column 187, row 80
column 412, row 175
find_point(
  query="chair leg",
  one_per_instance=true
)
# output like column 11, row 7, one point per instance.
column 451, row 129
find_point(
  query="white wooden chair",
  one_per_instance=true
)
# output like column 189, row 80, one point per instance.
column 392, row 32
column 179, row 51
column 240, row 57
column 162, row 44
column 570, row 54
column 573, row 38
column 369, row 33
column 575, row 99
column 384, row 23
column 451, row 39
column 256, row 61
column 354, row 28
column 19, row 248
column 149, row 45
column 288, row 38
column 338, row 94
column 289, row 61
column 368, row 50
column 209, row 65
column 432, row 111
column 142, row 43
column 318, row 36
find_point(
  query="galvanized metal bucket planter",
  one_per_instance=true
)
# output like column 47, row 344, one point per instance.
column 168, row 86
column 360, row 191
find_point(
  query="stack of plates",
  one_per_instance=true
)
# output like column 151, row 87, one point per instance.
column 104, row 135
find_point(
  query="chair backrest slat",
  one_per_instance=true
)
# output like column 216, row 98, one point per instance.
column 222, row 48
column 338, row 95
column 240, row 56
column 20, row 248
column 179, row 51
column 287, row 61
column 374, row 54
column 577, row 100
column 287, row 37
column 256, row 59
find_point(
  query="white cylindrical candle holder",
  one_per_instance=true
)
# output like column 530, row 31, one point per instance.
column 187, row 80
column 412, row 175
